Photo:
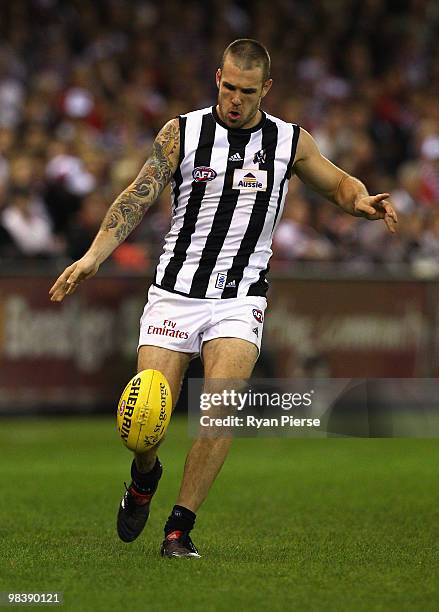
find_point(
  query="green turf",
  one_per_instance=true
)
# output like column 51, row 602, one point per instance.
column 337, row 524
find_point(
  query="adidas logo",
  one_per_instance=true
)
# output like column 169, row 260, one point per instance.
column 255, row 330
column 236, row 157
column 231, row 284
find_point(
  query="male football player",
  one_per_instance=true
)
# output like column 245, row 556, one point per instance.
column 229, row 167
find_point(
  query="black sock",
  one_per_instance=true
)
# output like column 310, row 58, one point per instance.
column 180, row 519
column 146, row 482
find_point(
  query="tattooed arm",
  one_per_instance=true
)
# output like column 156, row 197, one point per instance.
column 127, row 210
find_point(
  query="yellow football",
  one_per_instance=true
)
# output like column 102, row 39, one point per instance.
column 144, row 410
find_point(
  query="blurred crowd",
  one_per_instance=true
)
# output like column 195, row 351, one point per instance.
column 85, row 86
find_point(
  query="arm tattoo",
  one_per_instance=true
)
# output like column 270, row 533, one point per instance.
column 128, row 209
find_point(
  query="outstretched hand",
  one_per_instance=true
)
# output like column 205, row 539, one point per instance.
column 377, row 207
column 68, row 281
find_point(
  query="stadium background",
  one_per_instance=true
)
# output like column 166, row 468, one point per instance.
column 84, row 88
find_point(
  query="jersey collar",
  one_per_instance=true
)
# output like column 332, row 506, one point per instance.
column 255, row 128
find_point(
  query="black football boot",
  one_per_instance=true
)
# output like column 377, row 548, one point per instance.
column 178, row 544
column 134, row 509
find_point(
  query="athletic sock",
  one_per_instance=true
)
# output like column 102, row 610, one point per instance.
column 180, row 519
column 146, row 483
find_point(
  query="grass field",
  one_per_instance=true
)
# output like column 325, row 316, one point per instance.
column 337, row 524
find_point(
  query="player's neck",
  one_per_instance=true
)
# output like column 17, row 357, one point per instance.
column 256, row 120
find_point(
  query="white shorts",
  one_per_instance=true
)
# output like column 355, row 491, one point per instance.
column 182, row 323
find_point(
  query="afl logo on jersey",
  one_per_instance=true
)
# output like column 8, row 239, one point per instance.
column 258, row 315
column 202, row 174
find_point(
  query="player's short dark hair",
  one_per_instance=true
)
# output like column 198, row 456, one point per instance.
column 247, row 53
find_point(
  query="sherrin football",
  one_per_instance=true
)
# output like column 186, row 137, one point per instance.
column 144, row 411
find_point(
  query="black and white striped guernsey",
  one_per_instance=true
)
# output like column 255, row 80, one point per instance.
column 228, row 196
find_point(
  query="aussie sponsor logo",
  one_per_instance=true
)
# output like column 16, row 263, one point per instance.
column 129, row 408
column 258, row 315
column 250, row 180
column 169, row 328
column 203, row 174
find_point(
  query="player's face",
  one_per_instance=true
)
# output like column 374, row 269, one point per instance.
column 239, row 94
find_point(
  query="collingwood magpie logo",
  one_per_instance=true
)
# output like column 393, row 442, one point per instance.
column 260, row 157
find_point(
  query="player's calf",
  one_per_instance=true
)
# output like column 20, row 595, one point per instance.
column 143, row 415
